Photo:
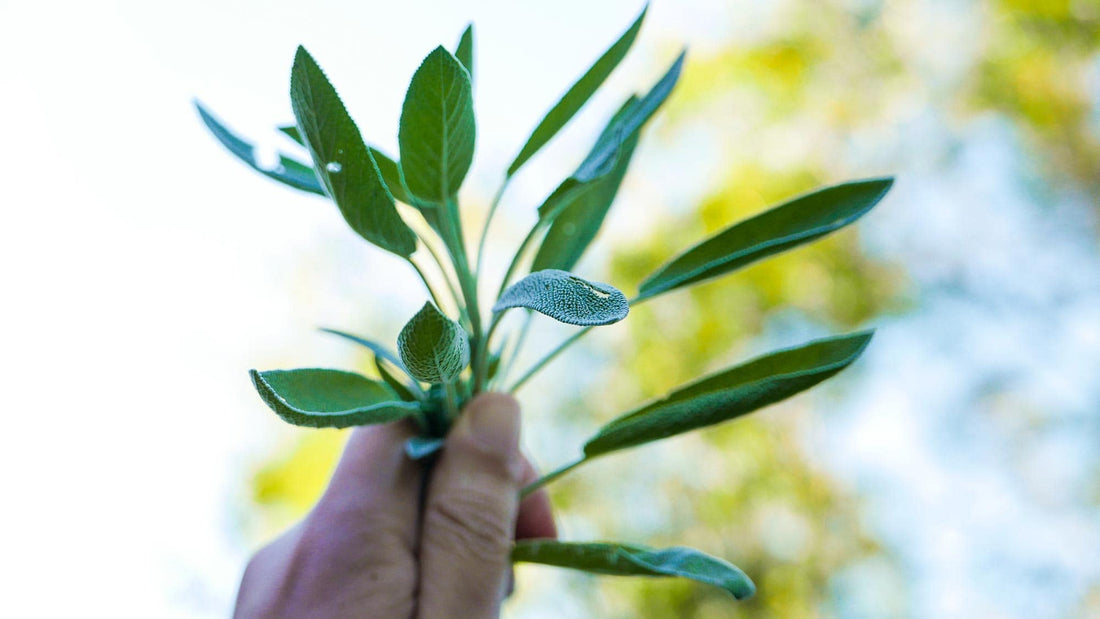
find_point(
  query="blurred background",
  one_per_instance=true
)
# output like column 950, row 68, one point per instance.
column 953, row 472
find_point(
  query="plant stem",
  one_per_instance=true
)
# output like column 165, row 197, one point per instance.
column 424, row 278
column 548, row 358
column 549, row 477
column 488, row 220
column 519, row 254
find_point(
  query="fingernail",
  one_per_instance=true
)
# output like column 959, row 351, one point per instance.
column 494, row 422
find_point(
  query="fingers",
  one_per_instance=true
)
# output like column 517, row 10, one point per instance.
column 535, row 518
column 470, row 515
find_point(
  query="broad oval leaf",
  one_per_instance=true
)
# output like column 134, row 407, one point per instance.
column 577, row 95
column 465, row 50
column 633, row 560
column 437, row 130
column 319, row 398
column 288, row 171
column 731, row 393
column 343, row 162
column 566, row 298
column 801, row 220
column 434, row 348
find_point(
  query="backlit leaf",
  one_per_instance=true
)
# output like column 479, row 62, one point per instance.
column 342, row 161
column 633, row 560
column 288, row 171
column 465, row 50
column 437, row 131
column 319, row 398
column 801, row 220
column 731, row 393
column 434, row 348
column 577, row 95
column 391, row 174
column 565, row 297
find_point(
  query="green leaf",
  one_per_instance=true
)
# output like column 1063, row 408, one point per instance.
column 577, row 95
column 633, row 560
column 420, row 447
column 437, row 131
column 801, row 220
column 434, row 348
column 731, row 393
column 378, row 349
column 391, row 174
column 343, row 162
column 288, row 171
column 465, row 50
column 318, row 398
column 565, row 297
column 291, row 131
column 403, row 391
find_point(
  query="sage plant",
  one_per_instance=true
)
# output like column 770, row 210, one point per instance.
column 452, row 348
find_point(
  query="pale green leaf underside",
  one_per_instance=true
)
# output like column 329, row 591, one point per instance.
column 437, row 131
column 731, row 393
column 288, row 171
column 320, row 398
column 577, row 95
column 343, row 162
column 633, row 560
column 434, row 348
column 566, row 298
column 465, row 50
column 801, row 220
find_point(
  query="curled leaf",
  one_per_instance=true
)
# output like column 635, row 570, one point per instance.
column 320, row 398
column 566, row 298
column 435, row 348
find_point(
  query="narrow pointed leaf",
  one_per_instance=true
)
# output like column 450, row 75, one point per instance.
column 403, row 390
column 633, row 560
column 319, row 398
column 420, row 447
column 465, row 50
column 731, row 393
column 288, row 171
column 566, row 297
column 434, row 348
column 342, row 160
column 577, row 95
column 378, row 349
column 437, row 131
column 801, row 220
column 391, row 175
column 291, row 131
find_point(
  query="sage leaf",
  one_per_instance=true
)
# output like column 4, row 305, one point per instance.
column 291, row 131
column 731, row 393
column 378, row 349
column 465, row 50
column 566, row 298
column 633, row 560
column 577, row 95
column 420, row 447
column 319, row 398
column 288, row 171
column 437, row 130
column 403, row 390
column 434, row 348
column 391, row 175
column 801, row 220
column 343, row 162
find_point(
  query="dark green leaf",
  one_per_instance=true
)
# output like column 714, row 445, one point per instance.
column 288, row 171
column 378, row 349
column 419, row 447
column 343, row 162
column 319, row 398
column 731, row 393
column 577, row 95
column 632, row 560
column 391, row 174
column 291, row 131
column 437, row 129
column 801, row 220
column 465, row 50
column 403, row 391
column 434, row 348
column 566, row 297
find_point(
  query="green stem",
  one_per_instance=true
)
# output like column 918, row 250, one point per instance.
column 488, row 220
column 513, row 352
column 548, row 358
column 424, row 278
column 549, row 477
column 519, row 255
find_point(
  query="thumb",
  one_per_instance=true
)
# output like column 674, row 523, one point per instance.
column 470, row 512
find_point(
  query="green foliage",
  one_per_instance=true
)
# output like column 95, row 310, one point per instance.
column 442, row 361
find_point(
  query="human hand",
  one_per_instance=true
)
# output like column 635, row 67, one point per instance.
column 367, row 550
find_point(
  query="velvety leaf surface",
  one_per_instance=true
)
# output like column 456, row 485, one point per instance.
column 342, row 160
column 633, row 560
column 434, row 348
column 288, row 171
column 801, row 220
column 319, row 398
column 577, row 95
column 731, row 393
column 437, row 131
column 566, row 297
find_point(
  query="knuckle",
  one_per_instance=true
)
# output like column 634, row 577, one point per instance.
column 473, row 524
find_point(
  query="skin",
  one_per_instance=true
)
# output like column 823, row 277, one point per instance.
column 366, row 549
